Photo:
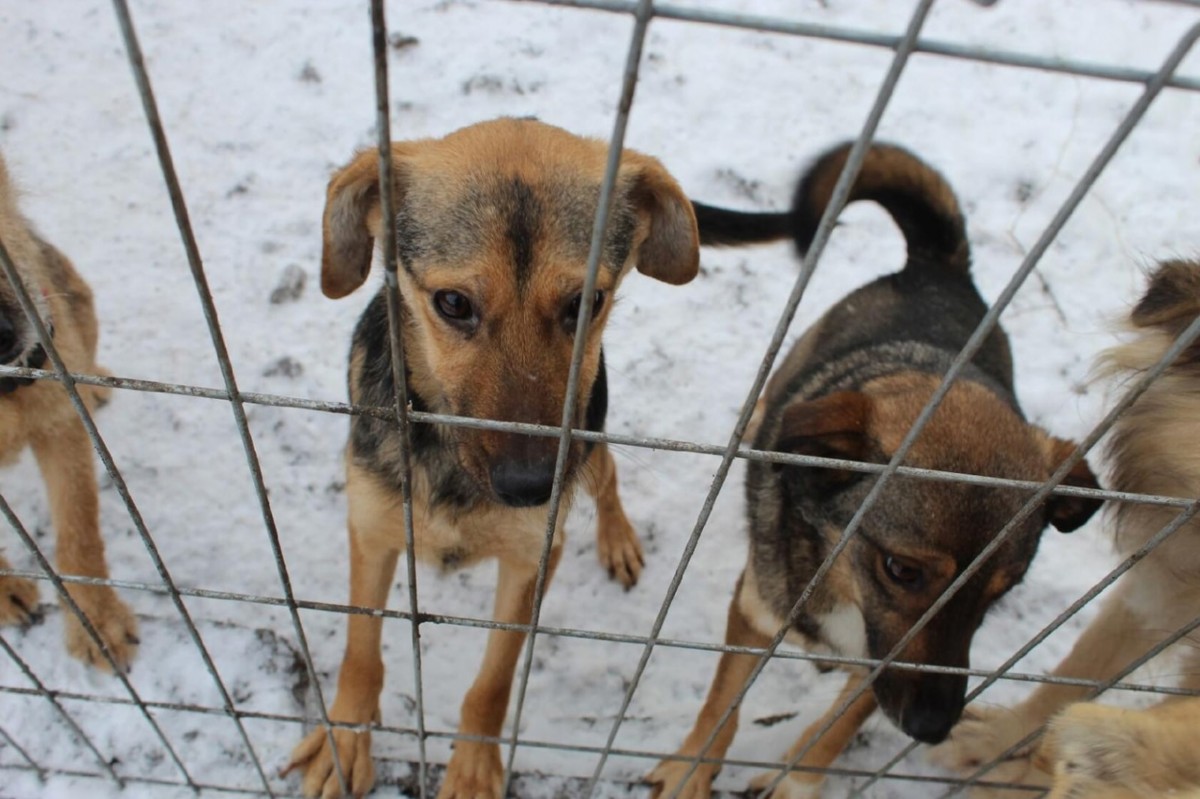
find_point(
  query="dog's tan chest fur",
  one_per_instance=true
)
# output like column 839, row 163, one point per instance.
column 440, row 537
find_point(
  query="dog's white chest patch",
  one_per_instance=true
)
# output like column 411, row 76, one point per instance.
column 845, row 630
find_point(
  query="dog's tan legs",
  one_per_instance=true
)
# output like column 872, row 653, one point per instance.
column 804, row 784
column 18, row 598
column 732, row 673
column 475, row 771
column 360, row 681
column 616, row 541
column 65, row 459
column 1112, row 641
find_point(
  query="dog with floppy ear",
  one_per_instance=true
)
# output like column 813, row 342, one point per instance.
column 1152, row 450
column 38, row 414
column 851, row 388
column 493, row 227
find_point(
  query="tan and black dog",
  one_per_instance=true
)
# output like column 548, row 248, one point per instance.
column 851, row 388
column 38, row 414
column 1153, row 450
column 493, row 229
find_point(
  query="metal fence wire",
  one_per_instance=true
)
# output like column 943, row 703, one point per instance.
column 104, row 761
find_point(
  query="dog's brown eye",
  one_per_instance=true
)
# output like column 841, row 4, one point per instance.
column 571, row 316
column 903, row 574
column 452, row 305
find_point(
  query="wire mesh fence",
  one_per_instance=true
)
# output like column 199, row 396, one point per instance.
column 160, row 754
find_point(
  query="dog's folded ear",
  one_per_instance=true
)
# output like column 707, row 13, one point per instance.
column 833, row 426
column 670, row 251
column 1070, row 513
column 352, row 220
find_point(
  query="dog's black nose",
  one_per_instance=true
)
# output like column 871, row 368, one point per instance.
column 523, row 484
column 10, row 346
column 928, row 725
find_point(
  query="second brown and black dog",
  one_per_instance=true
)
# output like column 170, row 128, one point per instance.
column 38, row 414
column 851, row 388
column 493, row 229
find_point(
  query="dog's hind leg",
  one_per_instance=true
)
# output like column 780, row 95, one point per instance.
column 732, row 673
column 475, row 771
column 807, row 784
column 360, row 679
column 64, row 456
column 617, row 542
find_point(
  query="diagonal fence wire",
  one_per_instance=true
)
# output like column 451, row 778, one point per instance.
column 16, row 747
column 44, row 692
column 196, row 266
column 387, row 202
column 841, row 192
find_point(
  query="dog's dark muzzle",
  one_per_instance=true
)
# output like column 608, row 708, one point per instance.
column 523, row 484
column 926, row 707
column 36, row 359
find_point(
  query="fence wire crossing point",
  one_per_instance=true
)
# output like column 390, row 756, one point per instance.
column 642, row 12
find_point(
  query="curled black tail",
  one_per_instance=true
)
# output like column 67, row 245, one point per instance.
column 720, row 227
column 917, row 197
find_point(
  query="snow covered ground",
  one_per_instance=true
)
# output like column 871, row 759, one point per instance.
column 262, row 100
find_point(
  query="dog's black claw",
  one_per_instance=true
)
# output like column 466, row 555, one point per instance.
column 16, row 600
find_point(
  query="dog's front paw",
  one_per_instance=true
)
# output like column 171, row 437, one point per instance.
column 983, row 735
column 793, row 786
column 96, row 397
column 620, row 550
column 315, row 759
column 113, row 621
column 474, row 772
column 18, row 599
column 668, row 776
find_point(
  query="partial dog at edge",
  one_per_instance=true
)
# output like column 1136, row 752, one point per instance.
column 493, row 229
column 851, row 388
column 1153, row 450
column 1098, row 752
column 38, row 414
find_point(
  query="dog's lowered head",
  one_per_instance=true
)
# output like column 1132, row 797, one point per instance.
column 19, row 344
column 493, row 226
